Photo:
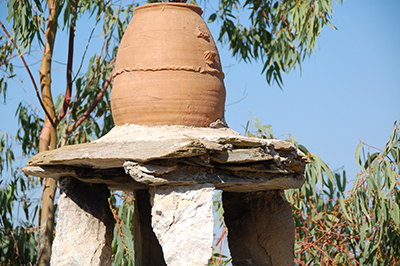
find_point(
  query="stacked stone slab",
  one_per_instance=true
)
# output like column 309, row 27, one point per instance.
column 177, row 168
column 132, row 157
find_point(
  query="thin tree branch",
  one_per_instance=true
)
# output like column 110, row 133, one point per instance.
column 92, row 77
column 87, row 46
column 25, row 93
column 94, row 72
column 94, row 104
column 68, row 91
column 241, row 99
column 16, row 249
column 30, row 75
column 121, row 234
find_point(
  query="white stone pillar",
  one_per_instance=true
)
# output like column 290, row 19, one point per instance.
column 182, row 219
column 85, row 225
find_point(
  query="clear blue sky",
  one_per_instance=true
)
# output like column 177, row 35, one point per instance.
column 349, row 89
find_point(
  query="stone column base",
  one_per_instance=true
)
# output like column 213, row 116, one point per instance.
column 85, row 225
column 260, row 228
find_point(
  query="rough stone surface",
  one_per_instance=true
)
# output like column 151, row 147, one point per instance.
column 148, row 143
column 261, row 228
column 114, row 178
column 142, row 176
column 85, row 225
column 182, row 219
column 224, row 180
column 157, row 155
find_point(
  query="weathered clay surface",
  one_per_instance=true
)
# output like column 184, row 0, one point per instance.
column 182, row 219
column 85, row 225
column 261, row 228
column 176, row 155
column 168, row 70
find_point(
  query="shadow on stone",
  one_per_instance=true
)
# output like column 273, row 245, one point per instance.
column 261, row 228
column 147, row 248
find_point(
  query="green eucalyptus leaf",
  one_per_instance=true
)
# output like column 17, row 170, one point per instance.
column 343, row 208
column 212, row 18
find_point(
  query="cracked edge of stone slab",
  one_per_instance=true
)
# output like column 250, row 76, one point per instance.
column 118, row 179
column 221, row 179
column 115, row 179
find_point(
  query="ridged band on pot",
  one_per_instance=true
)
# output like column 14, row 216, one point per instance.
column 168, row 70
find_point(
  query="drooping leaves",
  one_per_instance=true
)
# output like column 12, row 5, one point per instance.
column 336, row 225
column 279, row 33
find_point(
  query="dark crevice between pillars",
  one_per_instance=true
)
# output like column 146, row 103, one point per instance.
column 148, row 251
column 260, row 228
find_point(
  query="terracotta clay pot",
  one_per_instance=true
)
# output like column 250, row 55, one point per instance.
column 168, row 70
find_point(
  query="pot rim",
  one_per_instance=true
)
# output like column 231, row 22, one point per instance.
column 195, row 8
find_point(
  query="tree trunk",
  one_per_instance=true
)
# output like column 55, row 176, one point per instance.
column 48, row 139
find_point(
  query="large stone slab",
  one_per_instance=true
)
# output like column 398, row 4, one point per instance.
column 182, row 219
column 149, row 143
column 168, row 155
column 104, row 155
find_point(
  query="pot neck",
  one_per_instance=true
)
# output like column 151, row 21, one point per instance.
column 195, row 8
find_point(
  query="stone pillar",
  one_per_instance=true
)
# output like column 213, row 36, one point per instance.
column 182, row 219
column 260, row 228
column 85, row 225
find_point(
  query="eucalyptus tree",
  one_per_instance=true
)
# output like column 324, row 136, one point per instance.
column 279, row 33
column 82, row 112
column 336, row 225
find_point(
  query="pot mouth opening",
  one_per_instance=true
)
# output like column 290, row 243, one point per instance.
column 195, row 8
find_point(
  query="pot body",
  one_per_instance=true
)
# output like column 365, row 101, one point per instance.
column 168, row 70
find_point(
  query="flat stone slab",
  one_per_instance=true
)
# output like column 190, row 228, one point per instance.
column 134, row 157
